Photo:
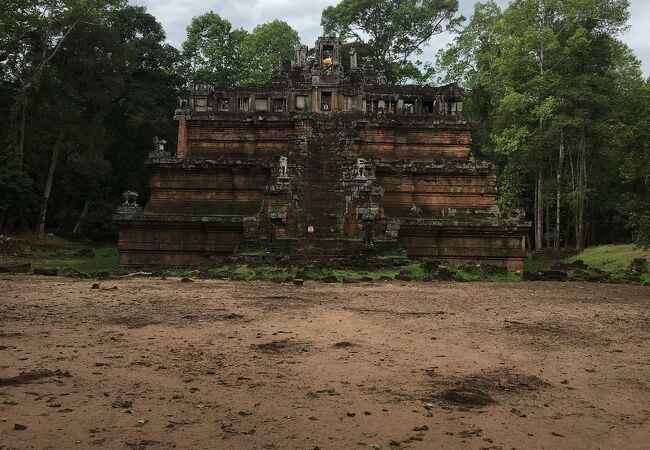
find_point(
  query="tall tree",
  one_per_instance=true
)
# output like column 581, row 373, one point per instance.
column 543, row 77
column 635, row 204
column 264, row 48
column 109, row 88
column 392, row 32
column 213, row 50
column 32, row 34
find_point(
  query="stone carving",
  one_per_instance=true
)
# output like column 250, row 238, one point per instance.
column 130, row 199
column 159, row 149
column 415, row 210
column 283, row 174
column 363, row 169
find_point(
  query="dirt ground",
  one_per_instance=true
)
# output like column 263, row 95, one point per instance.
column 153, row 364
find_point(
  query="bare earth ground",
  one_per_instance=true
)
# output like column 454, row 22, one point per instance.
column 254, row 365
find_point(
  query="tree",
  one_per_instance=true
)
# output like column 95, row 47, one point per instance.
column 264, row 48
column 109, row 88
column 33, row 32
column 393, row 32
column 635, row 204
column 213, row 50
column 546, row 79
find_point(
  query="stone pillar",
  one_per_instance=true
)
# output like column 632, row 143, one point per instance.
column 353, row 58
column 181, row 149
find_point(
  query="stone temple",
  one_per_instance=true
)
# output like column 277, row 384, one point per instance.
column 325, row 160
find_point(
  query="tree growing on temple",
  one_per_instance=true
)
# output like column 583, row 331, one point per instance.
column 263, row 49
column 218, row 54
column 213, row 50
column 392, row 33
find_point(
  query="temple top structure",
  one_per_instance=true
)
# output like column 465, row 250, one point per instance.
column 324, row 80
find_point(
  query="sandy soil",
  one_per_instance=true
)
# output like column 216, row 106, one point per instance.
column 148, row 364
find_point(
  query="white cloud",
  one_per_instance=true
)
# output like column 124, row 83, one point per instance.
column 304, row 17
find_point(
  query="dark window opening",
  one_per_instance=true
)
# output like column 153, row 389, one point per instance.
column 242, row 103
column 326, row 101
column 427, row 106
column 223, row 104
column 279, row 104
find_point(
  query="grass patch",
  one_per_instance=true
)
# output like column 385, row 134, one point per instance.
column 615, row 260
column 610, row 257
column 102, row 260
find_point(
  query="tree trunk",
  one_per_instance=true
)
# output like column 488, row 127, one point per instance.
column 539, row 209
column 20, row 151
column 48, row 184
column 581, row 187
column 547, row 220
column 558, row 193
column 82, row 216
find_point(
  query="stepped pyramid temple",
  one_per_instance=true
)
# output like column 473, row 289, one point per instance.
column 325, row 160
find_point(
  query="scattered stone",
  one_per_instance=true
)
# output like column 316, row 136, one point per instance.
column 124, row 404
column 367, row 279
column 19, row 426
column 422, row 428
column 95, row 286
column 187, row 280
column 15, row 267
column 546, row 275
column 638, row 266
column 298, row 281
column 46, row 271
column 577, row 264
column 404, row 275
column 554, row 433
column 351, row 414
column 467, row 395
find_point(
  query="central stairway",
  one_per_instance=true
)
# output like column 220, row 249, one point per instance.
column 322, row 200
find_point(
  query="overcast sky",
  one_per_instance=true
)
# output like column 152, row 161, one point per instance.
column 304, row 16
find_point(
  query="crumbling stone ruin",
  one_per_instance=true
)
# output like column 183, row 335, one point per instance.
column 325, row 156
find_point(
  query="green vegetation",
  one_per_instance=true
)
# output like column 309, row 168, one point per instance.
column 608, row 263
column 100, row 260
column 560, row 104
column 610, row 257
column 614, row 260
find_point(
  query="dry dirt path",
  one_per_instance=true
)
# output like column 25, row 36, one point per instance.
column 253, row 365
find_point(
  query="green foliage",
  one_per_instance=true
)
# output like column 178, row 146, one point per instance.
column 218, row 54
column 16, row 200
column 543, row 75
column 392, row 31
column 635, row 204
column 264, row 48
column 105, row 82
column 213, row 50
